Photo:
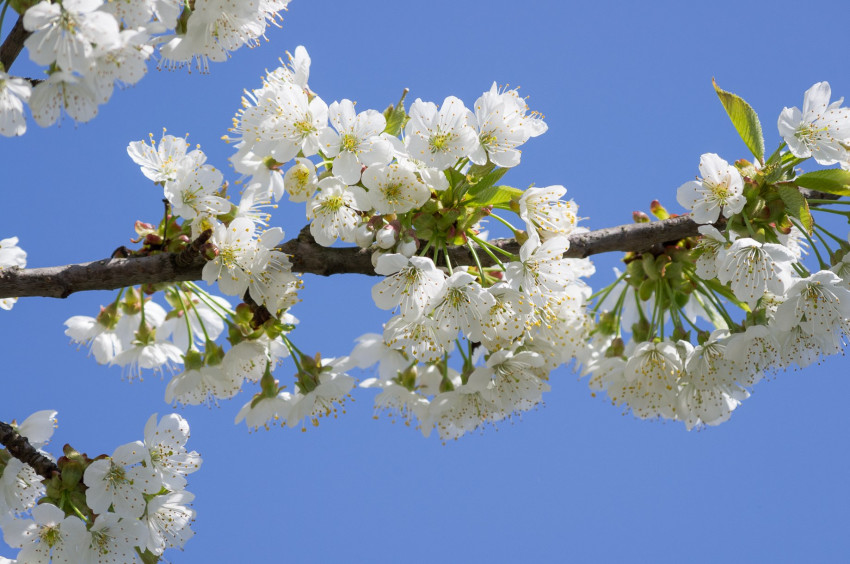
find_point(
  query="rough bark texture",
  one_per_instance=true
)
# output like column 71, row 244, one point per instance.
column 307, row 257
column 20, row 448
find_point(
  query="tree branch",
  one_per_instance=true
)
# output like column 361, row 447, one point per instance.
column 13, row 44
column 20, row 448
column 307, row 257
column 311, row 258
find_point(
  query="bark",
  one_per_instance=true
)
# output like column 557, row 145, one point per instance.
column 13, row 44
column 20, row 448
column 307, row 257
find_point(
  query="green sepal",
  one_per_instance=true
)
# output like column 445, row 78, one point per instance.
column 647, row 288
column 832, row 181
column 72, row 473
column 147, row 556
column 396, row 116
column 649, row 267
column 21, row 6
column 796, row 205
column 744, row 119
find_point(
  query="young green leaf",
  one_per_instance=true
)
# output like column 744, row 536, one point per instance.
column 744, row 119
column 494, row 195
column 796, row 205
column 832, row 180
column 487, row 181
column 396, row 116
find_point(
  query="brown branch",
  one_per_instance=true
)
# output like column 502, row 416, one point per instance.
column 311, row 258
column 307, row 257
column 13, row 44
column 20, row 448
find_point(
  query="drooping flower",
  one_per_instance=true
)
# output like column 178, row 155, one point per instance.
column 48, row 535
column 327, row 392
column 168, row 520
column 166, row 453
column 66, row 33
column 415, row 283
column 817, row 304
column 463, row 306
column 20, row 487
column 14, row 92
column 753, row 268
column 112, row 539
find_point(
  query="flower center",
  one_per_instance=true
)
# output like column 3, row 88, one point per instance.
column 349, row 142
column 440, row 142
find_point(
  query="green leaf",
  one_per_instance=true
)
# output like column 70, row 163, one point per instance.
column 832, row 180
column 744, row 119
column 487, row 181
column 796, row 205
column 396, row 116
column 495, row 195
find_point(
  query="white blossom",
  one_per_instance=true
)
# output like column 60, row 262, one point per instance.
column 357, row 141
column 721, row 190
column 821, row 130
column 439, row 138
column 14, row 93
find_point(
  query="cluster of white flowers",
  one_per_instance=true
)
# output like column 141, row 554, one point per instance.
column 470, row 345
column 519, row 319
column 88, row 46
column 793, row 317
column 132, row 499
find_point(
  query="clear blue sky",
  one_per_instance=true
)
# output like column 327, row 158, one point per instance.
column 626, row 90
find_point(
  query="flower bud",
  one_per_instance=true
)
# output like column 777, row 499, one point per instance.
column 386, row 237
column 364, row 236
column 658, row 210
column 408, row 247
column 640, row 217
column 209, row 251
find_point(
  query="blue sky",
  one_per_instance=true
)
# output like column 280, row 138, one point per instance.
column 626, row 91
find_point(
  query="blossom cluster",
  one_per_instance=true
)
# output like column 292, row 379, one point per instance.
column 89, row 46
column 406, row 185
column 473, row 338
column 403, row 185
column 792, row 316
column 107, row 509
